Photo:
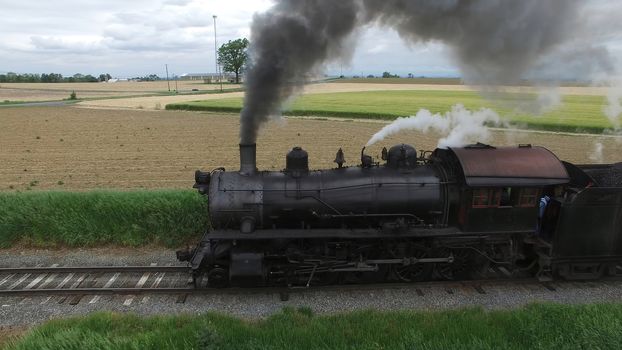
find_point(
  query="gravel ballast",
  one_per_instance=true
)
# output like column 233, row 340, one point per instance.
column 27, row 311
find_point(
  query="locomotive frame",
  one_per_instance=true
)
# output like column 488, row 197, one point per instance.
column 448, row 214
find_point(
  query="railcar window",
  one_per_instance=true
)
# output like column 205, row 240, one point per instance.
column 506, row 197
column 528, row 197
column 486, row 197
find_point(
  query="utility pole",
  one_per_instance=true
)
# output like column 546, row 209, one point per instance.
column 216, row 53
column 167, row 82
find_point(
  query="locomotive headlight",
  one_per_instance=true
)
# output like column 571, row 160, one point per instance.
column 201, row 179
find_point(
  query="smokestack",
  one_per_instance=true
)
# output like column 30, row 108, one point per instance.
column 248, row 159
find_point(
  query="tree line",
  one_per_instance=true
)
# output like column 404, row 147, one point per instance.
column 11, row 77
column 59, row 78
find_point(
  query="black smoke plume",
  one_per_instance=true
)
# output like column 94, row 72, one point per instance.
column 494, row 42
column 288, row 42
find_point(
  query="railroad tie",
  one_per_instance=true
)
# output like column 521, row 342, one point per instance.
column 141, row 282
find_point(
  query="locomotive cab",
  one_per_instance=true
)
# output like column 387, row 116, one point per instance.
column 500, row 188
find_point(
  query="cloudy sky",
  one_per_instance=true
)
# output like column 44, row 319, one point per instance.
column 138, row 37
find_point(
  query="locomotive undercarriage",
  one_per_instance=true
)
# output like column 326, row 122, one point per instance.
column 306, row 262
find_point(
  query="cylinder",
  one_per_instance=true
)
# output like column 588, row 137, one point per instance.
column 248, row 159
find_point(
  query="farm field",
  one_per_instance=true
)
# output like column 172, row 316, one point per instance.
column 58, row 91
column 576, row 113
column 71, row 148
column 317, row 88
column 428, row 80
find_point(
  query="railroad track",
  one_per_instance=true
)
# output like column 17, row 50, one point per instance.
column 97, row 281
column 93, row 280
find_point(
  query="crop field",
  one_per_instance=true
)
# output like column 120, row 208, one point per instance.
column 537, row 326
column 428, row 80
column 434, row 81
column 230, row 92
column 57, row 91
column 71, row 148
column 576, row 113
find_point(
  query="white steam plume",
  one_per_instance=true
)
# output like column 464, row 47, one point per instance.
column 614, row 109
column 458, row 126
column 597, row 153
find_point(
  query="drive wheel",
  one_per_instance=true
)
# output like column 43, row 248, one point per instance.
column 413, row 272
column 217, row 277
column 459, row 269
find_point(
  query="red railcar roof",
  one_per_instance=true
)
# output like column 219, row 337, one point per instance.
column 510, row 166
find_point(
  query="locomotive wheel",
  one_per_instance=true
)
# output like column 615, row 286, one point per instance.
column 197, row 279
column 459, row 269
column 414, row 272
column 325, row 278
column 217, row 277
column 367, row 277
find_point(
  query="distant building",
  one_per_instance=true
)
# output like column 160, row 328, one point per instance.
column 210, row 77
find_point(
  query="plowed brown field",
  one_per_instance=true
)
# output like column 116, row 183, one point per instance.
column 79, row 148
column 59, row 91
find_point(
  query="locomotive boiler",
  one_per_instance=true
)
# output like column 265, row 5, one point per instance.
column 448, row 214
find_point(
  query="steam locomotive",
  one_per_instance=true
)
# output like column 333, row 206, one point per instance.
column 451, row 213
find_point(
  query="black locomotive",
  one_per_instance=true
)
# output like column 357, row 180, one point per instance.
column 448, row 214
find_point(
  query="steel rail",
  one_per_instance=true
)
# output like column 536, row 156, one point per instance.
column 92, row 269
column 477, row 285
column 448, row 285
column 94, row 291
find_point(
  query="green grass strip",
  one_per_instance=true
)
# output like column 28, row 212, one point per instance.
column 134, row 218
column 576, row 113
column 537, row 326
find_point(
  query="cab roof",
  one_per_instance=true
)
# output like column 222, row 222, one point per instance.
column 525, row 165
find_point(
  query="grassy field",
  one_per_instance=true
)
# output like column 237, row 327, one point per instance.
column 577, row 113
column 538, row 326
column 47, row 219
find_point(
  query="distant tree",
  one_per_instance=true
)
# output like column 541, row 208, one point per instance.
column 104, row 77
column 371, row 76
column 51, row 78
column 233, row 56
column 150, row 77
column 12, row 77
column 389, row 75
column 410, row 75
column 56, row 77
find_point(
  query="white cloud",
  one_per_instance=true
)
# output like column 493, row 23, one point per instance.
column 129, row 38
